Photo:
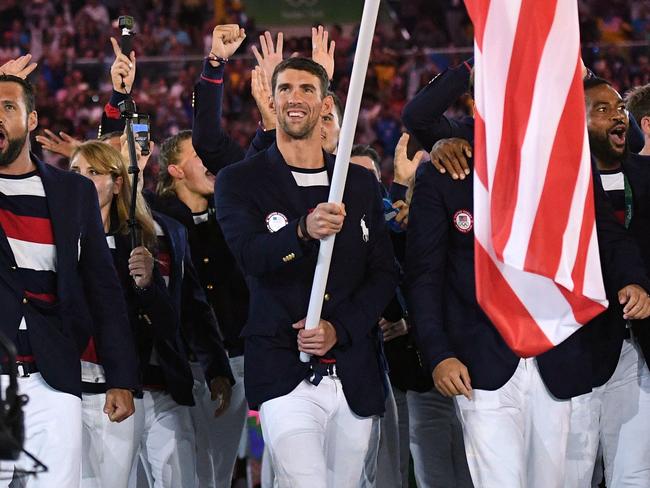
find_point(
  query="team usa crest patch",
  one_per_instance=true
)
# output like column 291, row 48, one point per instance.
column 275, row 221
column 463, row 221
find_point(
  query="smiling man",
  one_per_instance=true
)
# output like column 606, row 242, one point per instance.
column 617, row 415
column 272, row 207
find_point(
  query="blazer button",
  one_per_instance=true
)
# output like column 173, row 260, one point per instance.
column 327, row 297
column 206, row 260
column 13, row 268
column 25, row 301
column 210, row 286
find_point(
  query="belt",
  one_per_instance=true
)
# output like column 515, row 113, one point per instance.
column 318, row 370
column 24, row 368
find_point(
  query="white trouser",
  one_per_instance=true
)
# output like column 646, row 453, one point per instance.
column 52, row 435
column 516, row 436
column 382, row 466
column 616, row 415
column 167, row 447
column 436, row 441
column 109, row 448
column 314, row 439
column 217, row 439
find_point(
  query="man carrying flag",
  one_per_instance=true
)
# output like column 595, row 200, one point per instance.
column 508, row 357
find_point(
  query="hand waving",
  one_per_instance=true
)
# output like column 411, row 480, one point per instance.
column 271, row 56
column 321, row 52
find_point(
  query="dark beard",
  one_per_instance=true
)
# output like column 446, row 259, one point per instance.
column 13, row 150
column 602, row 150
column 301, row 134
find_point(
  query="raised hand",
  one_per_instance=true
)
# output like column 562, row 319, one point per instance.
column 321, row 52
column 20, row 67
column 451, row 156
column 122, row 70
column 226, row 39
column 271, row 55
column 404, row 168
column 261, row 90
column 62, row 144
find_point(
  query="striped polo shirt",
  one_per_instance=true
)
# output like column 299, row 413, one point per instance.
column 25, row 220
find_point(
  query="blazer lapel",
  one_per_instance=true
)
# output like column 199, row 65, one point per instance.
column 280, row 173
column 60, row 217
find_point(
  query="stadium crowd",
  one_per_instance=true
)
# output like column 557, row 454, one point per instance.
column 208, row 260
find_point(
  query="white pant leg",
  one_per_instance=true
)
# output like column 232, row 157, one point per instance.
column 52, row 434
column 403, row 422
column 293, row 427
column 516, row 436
column 109, row 448
column 547, row 426
column 584, row 438
column 625, row 421
column 217, row 439
column 267, row 474
column 167, row 449
column 436, row 441
column 346, row 442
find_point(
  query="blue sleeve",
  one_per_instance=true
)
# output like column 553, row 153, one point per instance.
column 424, row 115
column 426, row 254
column 211, row 143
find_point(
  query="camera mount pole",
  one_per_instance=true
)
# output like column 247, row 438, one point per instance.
column 128, row 111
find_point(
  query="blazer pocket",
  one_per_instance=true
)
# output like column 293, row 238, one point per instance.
column 260, row 328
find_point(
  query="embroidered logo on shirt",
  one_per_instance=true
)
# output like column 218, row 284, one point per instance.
column 364, row 229
column 275, row 221
column 463, row 221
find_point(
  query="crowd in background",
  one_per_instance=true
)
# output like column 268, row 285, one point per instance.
column 69, row 40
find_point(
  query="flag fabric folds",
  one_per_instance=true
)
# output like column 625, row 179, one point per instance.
column 538, row 275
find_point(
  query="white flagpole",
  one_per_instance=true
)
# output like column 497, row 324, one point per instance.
column 348, row 128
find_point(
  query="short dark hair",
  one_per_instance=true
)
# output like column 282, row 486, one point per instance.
column 593, row 82
column 369, row 151
column 110, row 135
column 302, row 64
column 338, row 105
column 637, row 101
column 28, row 90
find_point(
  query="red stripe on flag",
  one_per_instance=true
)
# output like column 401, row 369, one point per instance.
column 547, row 236
column 502, row 305
column 533, row 27
column 478, row 12
column 28, row 229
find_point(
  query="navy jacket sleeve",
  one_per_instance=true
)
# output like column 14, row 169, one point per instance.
column 111, row 328
column 424, row 115
column 620, row 256
column 111, row 120
column 215, row 148
column 256, row 250
column 355, row 317
column 426, row 252
column 157, row 305
column 262, row 141
column 200, row 326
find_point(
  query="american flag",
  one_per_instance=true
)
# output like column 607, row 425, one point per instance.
column 538, row 275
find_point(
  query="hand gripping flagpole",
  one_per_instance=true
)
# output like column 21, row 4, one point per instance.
column 352, row 106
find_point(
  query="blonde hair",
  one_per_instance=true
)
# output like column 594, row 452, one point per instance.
column 106, row 160
column 170, row 153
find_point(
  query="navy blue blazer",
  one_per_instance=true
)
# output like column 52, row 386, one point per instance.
column 198, row 327
column 279, row 269
column 442, row 294
column 89, row 294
